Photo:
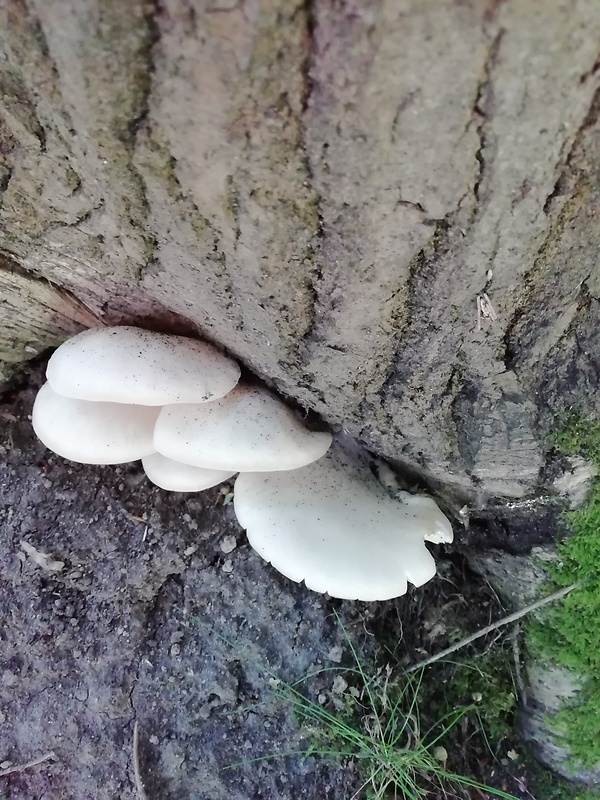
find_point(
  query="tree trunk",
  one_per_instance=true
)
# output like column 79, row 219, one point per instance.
column 387, row 210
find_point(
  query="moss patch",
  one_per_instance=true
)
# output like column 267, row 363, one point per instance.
column 484, row 684
column 579, row 435
column 545, row 784
column 570, row 633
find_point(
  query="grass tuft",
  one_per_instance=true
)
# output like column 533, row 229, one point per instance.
column 376, row 725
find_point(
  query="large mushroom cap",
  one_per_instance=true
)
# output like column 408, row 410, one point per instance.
column 333, row 526
column 93, row 433
column 130, row 365
column 176, row 477
column 248, row 430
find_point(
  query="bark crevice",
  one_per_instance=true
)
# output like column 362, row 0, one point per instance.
column 483, row 108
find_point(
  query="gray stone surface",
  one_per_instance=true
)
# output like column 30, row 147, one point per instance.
column 519, row 580
column 549, row 687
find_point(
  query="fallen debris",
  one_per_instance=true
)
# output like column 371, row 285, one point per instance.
column 51, row 756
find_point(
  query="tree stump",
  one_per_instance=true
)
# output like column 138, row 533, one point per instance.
column 387, row 210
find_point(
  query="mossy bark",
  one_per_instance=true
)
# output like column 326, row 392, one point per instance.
column 325, row 190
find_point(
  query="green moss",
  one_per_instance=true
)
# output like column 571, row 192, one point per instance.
column 579, row 435
column 485, row 685
column 544, row 783
column 570, row 633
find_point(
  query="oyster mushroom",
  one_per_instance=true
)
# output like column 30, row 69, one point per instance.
column 130, row 365
column 177, row 477
column 90, row 432
column 333, row 526
column 247, row 430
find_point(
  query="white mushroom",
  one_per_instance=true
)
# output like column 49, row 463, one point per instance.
column 334, row 526
column 176, row 477
column 439, row 530
column 130, row 365
column 93, row 433
column 248, row 430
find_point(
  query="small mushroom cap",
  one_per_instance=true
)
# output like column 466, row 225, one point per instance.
column 130, row 365
column 93, row 433
column 249, row 430
column 176, row 477
column 334, row 526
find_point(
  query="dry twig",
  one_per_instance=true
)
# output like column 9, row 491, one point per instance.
column 489, row 628
column 33, row 763
column 517, row 664
column 139, row 783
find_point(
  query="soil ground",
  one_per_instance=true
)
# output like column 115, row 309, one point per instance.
column 152, row 608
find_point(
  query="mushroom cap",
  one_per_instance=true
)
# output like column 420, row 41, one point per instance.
column 93, row 433
column 334, row 526
column 249, row 430
column 131, row 365
column 439, row 529
column 176, row 477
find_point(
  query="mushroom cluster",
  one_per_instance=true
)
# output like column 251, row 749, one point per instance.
column 314, row 512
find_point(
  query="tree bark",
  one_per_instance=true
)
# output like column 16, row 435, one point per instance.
column 329, row 190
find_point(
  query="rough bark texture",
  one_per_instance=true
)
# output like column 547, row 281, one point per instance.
column 322, row 189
